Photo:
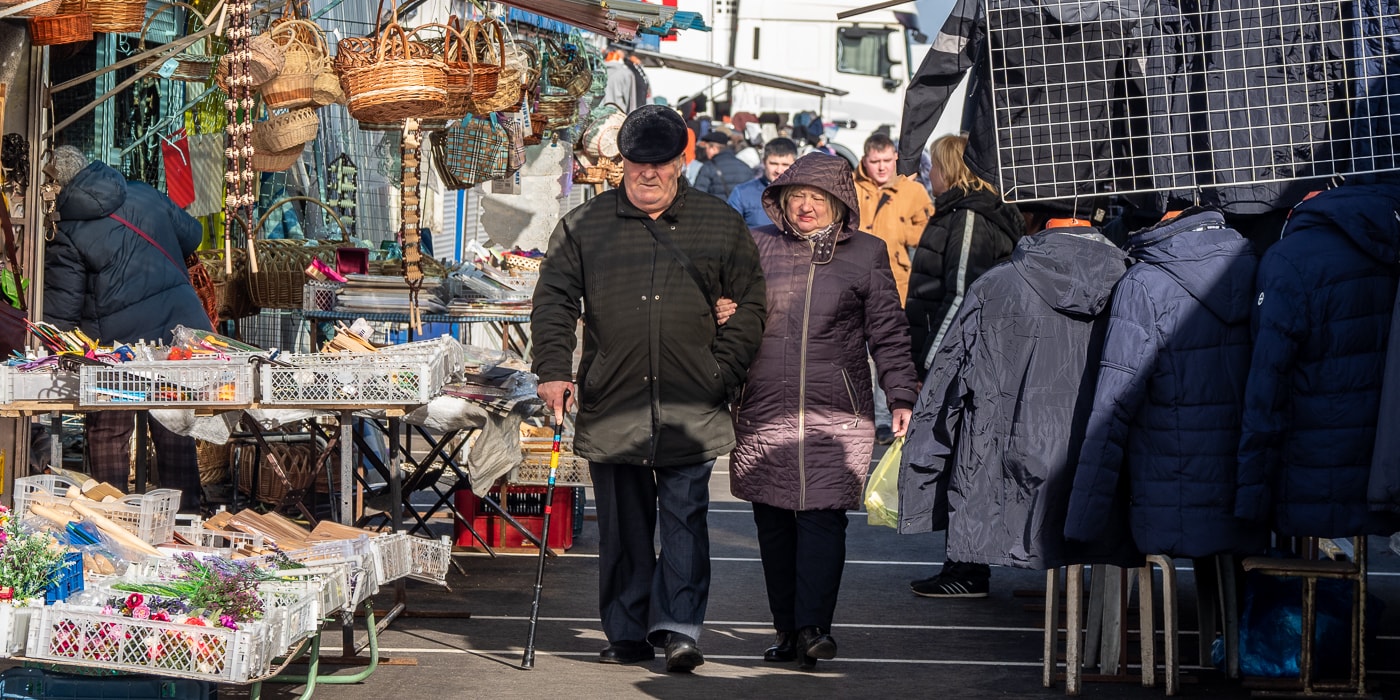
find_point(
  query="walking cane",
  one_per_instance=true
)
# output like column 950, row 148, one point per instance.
column 528, row 662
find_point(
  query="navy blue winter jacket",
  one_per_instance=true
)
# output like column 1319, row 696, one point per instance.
column 103, row 277
column 1167, row 406
column 1322, row 319
column 747, row 199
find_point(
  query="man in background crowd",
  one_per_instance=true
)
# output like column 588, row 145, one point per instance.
column 894, row 209
column 778, row 156
column 722, row 171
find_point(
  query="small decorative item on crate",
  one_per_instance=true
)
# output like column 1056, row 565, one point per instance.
column 390, row 89
column 46, row 9
column 282, row 132
column 62, row 28
column 189, row 66
column 112, row 16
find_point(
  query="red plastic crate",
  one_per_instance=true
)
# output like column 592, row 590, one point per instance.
column 525, row 504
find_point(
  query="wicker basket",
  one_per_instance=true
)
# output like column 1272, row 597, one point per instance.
column 266, row 63
column 58, row 29
column 114, row 16
column 559, row 111
column 458, row 75
column 189, row 67
column 276, row 161
column 517, row 69
column 48, row 9
column 325, row 89
column 302, row 43
column 231, row 287
column 391, row 89
column 213, row 462
column 486, row 56
column 537, row 126
column 282, row 264
column 283, row 132
column 289, row 91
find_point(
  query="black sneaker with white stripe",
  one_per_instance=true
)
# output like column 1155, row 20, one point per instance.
column 947, row 585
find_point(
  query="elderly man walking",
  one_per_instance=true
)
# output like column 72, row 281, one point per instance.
column 644, row 265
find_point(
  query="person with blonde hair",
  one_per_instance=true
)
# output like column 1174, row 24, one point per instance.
column 971, row 231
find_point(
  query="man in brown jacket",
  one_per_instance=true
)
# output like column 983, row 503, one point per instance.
column 893, row 208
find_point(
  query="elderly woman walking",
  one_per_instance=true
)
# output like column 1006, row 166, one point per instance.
column 804, row 423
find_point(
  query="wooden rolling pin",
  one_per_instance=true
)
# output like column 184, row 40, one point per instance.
column 51, row 515
column 117, row 532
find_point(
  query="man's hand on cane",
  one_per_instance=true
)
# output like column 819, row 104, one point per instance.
column 559, row 397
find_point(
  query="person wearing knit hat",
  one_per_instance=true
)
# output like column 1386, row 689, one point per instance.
column 644, row 265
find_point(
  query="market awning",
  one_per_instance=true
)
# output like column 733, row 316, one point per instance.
column 615, row 19
column 743, row 75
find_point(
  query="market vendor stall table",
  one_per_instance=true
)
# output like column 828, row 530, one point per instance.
column 510, row 330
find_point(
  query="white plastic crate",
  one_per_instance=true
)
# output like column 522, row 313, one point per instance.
column 330, row 581
column 297, row 612
column 456, row 353
column 14, row 628
column 393, row 556
column 168, row 383
column 354, row 554
column 82, row 635
column 430, row 559
column 360, row 379
column 48, row 384
column 192, row 529
column 150, row 516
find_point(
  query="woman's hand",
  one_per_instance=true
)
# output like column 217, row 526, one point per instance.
column 724, row 308
column 899, row 421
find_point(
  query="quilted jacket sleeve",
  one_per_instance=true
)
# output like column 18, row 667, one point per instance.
column 554, row 320
column 65, row 282
column 1280, row 325
column 887, row 334
column 736, row 342
column 1130, row 348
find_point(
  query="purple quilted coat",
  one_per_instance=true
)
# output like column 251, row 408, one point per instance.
column 804, row 423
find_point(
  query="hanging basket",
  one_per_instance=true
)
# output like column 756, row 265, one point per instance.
column 391, row 89
column 566, row 68
column 485, row 50
column 61, row 28
column 283, row 132
column 275, row 161
column 559, row 111
column 189, row 67
column 112, row 16
column 48, row 9
column 289, row 91
column 231, row 288
column 325, row 89
column 264, row 64
column 458, row 75
column 302, row 43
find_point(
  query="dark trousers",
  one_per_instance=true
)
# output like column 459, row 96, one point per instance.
column 643, row 594
column 967, row 570
column 803, row 553
column 108, row 436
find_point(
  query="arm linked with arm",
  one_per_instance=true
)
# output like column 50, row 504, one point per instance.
column 736, row 342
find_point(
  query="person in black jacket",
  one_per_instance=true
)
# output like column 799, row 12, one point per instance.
column 723, row 171
column 971, row 230
column 114, row 270
column 642, row 264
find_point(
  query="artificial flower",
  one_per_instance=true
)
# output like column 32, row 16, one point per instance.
column 141, row 612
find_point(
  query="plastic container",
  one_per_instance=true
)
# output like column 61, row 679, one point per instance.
column 82, row 635
column 359, row 379
column 393, row 556
column 431, row 559
column 168, row 383
column 150, row 516
column 49, row 384
column 298, row 611
column 38, row 684
column 14, row 628
column 68, row 581
column 525, row 504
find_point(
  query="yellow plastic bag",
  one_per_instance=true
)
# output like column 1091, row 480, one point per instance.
column 882, row 489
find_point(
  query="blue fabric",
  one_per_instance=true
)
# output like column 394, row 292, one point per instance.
column 1166, row 416
column 1321, row 320
column 102, row 277
column 747, row 199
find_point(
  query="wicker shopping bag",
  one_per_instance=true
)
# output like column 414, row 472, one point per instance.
column 477, row 150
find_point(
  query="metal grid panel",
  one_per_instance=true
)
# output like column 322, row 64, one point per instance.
column 1091, row 96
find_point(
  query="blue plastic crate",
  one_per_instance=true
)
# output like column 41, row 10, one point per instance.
column 68, row 581
column 37, row 684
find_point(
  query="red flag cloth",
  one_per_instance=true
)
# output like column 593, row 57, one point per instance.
column 179, row 176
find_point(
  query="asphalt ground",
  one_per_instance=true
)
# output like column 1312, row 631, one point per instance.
column 892, row 643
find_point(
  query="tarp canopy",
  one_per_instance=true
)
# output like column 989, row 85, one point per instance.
column 743, row 75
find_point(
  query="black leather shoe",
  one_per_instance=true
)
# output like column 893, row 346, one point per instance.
column 682, row 654
column 813, row 645
column 784, row 648
column 627, row 652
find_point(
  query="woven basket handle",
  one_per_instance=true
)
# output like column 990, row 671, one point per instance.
column 451, row 38
column 488, row 27
column 141, row 45
column 344, row 232
column 383, row 41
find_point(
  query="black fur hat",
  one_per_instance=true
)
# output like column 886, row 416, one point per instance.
column 652, row 134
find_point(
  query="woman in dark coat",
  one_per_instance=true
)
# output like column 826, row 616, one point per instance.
column 971, row 231
column 804, row 423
